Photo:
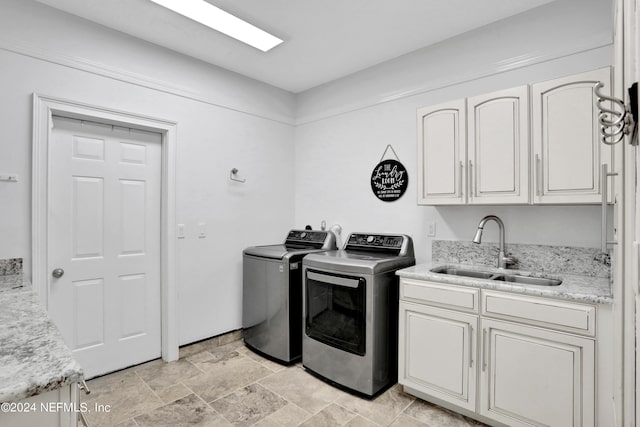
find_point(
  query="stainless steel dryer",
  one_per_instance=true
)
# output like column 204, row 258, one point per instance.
column 272, row 293
column 350, row 313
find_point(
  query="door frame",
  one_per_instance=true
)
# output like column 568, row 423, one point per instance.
column 627, row 65
column 44, row 108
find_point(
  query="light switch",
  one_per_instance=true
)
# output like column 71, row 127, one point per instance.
column 180, row 231
column 202, row 230
column 431, row 229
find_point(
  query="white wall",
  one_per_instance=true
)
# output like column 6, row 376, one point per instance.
column 319, row 169
column 558, row 29
column 224, row 121
column 344, row 126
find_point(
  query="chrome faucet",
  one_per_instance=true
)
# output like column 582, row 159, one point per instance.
column 503, row 260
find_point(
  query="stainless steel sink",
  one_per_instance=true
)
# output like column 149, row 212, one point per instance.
column 463, row 272
column 528, row 280
column 510, row 278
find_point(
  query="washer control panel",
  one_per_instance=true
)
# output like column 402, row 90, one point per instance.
column 310, row 236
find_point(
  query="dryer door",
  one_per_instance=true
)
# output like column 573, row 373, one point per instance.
column 336, row 310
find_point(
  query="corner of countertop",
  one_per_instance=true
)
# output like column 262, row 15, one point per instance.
column 34, row 359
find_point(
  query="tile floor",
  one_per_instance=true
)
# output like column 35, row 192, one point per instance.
column 219, row 382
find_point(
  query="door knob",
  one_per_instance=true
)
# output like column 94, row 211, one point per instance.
column 57, row 273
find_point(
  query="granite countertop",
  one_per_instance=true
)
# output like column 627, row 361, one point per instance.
column 33, row 356
column 574, row 287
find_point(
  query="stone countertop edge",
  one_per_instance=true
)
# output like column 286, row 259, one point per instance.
column 573, row 287
column 33, row 356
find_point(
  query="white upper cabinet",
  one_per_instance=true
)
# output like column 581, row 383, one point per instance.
column 441, row 154
column 477, row 150
column 567, row 152
column 498, row 147
column 475, row 154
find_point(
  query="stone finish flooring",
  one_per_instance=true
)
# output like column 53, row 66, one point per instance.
column 219, row 382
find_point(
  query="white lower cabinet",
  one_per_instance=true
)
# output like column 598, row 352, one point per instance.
column 506, row 370
column 437, row 353
column 533, row 376
column 55, row 408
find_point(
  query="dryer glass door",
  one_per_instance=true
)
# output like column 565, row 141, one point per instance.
column 335, row 307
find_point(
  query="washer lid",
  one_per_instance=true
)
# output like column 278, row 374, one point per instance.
column 270, row 251
column 278, row 251
column 298, row 242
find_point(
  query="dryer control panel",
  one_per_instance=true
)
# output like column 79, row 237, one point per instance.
column 390, row 244
column 375, row 241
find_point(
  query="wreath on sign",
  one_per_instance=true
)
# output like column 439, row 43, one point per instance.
column 395, row 186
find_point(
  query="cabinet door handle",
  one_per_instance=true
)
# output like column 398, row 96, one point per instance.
column 460, row 178
column 472, row 182
column 470, row 346
column 83, row 386
column 604, row 191
column 83, row 418
column 485, row 346
column 538, row 176
column 605, row 197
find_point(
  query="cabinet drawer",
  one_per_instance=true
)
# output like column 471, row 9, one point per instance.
column 552, row 314
column 440, row 295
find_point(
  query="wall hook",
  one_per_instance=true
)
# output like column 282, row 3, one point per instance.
column 233, row 175
column 617, row 120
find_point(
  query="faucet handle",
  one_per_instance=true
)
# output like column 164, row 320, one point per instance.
column 603, row 258
column 511, row 261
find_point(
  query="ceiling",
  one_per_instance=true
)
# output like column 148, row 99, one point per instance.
column 323, row 39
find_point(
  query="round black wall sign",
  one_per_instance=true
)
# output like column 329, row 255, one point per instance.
column 389, row 180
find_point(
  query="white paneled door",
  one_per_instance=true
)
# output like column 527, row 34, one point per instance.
column 104, row 237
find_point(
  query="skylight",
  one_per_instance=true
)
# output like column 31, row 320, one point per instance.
column 224, row 22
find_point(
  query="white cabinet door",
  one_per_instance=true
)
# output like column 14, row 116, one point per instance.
column 498, row 147
column 441, row 154
column 532, row 376
column 568, row 154
column 54, row 408
column 437, row 351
